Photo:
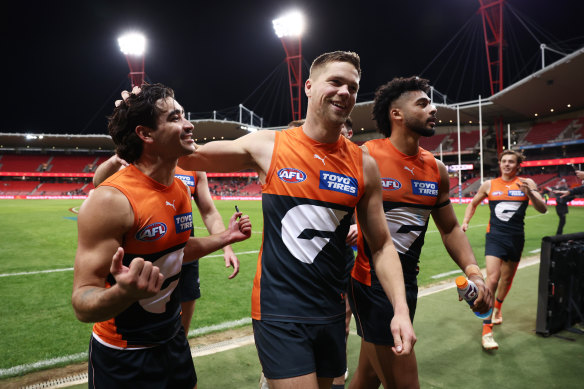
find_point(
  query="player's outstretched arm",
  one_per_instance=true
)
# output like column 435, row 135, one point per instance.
column 252, row 151
column 239, row 229
column 212, row 219
column 385, row 258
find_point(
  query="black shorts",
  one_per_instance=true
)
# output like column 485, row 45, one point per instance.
column 506, row 247
column 290, row 350
column 189, row 285
column 373, row 311
column 349, row 263
column 165, row 366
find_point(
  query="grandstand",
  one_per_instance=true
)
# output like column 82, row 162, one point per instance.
column 433, row 143
column 546, row 132
column 47, row 173
column 22, row 163
column 72, row 163
column 543, row 114
column 17, row 188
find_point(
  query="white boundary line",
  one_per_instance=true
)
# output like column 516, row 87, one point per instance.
column 208, row 349
column 26, row 273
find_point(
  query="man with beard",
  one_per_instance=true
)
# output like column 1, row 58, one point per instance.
column 415, row 185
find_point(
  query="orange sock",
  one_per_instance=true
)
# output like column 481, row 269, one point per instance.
column 487, row 328
column 498, row 304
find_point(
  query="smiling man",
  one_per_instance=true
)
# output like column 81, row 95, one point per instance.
column 509, row 196
column 415, row 186
column 133, row 234
column 313, row 179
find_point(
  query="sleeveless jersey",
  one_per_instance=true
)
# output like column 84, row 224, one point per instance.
column 162, row 226
column 188, row 177
column 308, row 200
column 410, row 191
column 508, row 204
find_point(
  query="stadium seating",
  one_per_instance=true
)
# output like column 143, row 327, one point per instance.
column 542, row 179
column 432, row 143
column 546, row 132
column 16, row 188
column 59, row 189
column 579, row 125
column 22, row 163
column 71, row 163
column 571, row 181
column 253, row 189
column 468, row 140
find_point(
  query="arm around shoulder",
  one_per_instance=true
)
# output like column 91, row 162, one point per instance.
column 252, row 151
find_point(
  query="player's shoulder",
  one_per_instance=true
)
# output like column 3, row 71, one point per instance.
column 106, row 203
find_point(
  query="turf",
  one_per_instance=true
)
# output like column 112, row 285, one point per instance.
column 37, row 322
column 448, row 349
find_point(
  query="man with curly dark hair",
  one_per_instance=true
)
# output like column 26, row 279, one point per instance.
column 133, row 235
column 415, row 185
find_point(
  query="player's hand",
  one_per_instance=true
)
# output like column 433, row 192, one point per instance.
column 231, row 260
column 527, row 185
column 352, row 235
column 125, row 94
column 464, row 227
column 239, row 227
column 404, row 337
column 138, row 281
column 484, row 301
column 119, row 161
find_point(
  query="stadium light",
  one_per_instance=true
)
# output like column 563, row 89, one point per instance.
column 133, row 45
column 289, row 28
column 290, row 24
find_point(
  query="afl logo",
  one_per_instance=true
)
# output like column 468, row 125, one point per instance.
column 151, row 232
column 390, row 184
column 291, row 175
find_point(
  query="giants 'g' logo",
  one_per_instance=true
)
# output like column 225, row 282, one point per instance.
column 306, row 229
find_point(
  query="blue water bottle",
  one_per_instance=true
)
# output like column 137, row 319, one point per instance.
column 469, row 292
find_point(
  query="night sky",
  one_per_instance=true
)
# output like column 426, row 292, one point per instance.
column 62, row 67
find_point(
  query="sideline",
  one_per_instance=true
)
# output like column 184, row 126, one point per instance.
column 197, row 351
column 71, row 269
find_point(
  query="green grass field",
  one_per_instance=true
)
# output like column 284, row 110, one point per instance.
column 38, row 328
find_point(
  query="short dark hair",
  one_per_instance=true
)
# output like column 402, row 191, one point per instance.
column 518, row 155
column 388, row 93
column 337, row 56
column 137, row 110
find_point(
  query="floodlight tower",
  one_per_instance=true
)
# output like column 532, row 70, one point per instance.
column 289, row 28
column 133, row 46
column 492, row 14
